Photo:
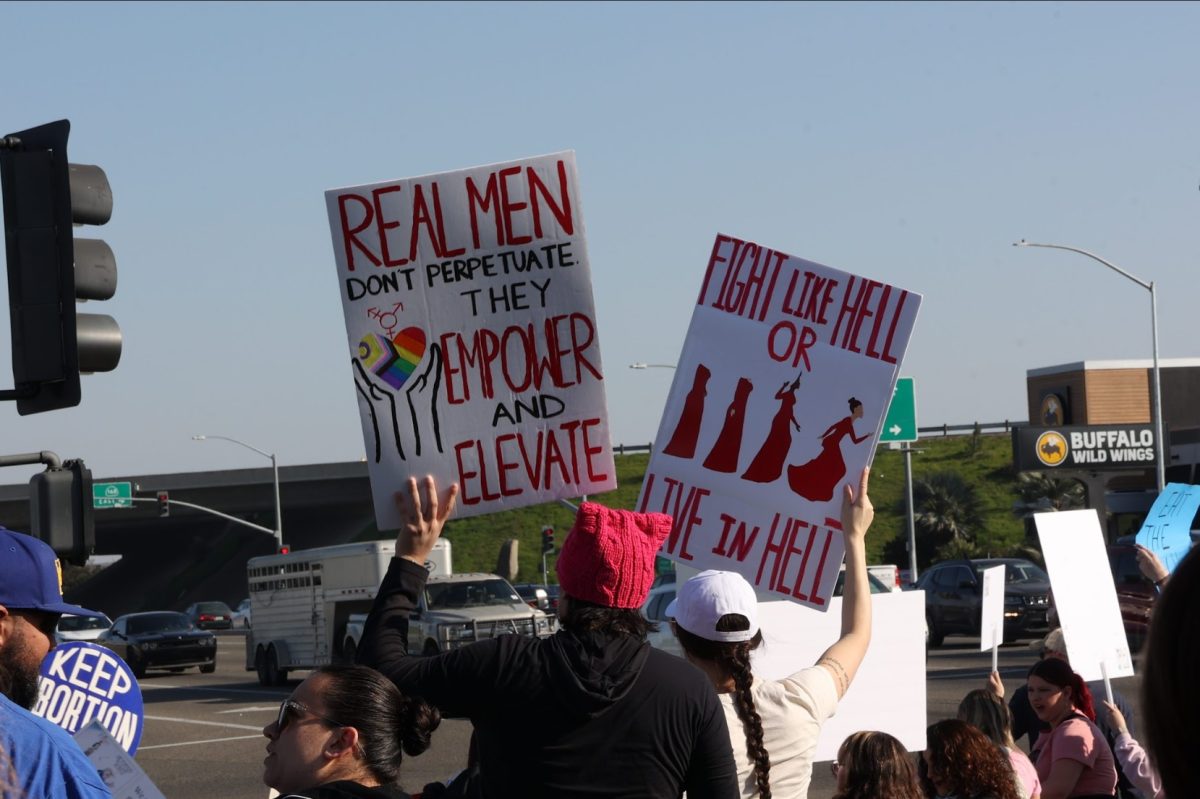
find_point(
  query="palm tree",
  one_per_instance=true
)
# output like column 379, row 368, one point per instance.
column 1041, row 491
column 1038, row 492
column 947, row 514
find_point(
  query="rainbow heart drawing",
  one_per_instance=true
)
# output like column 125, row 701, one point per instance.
column 393, row 360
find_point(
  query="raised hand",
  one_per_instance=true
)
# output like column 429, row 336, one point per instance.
column 422, row 518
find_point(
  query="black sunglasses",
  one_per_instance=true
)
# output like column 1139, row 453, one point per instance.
column 290, row 710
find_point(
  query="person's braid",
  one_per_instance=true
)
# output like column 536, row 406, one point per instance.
column 737, row 661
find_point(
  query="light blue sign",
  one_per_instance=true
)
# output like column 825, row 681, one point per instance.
column 81, row 681
column 1167, row 531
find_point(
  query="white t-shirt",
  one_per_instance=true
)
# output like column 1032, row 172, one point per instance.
column 792, row 711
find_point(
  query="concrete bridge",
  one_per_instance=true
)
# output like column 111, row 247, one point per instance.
column 190, row 556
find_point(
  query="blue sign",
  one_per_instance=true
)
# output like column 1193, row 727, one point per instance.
column 1167, row 531
column 80, row 681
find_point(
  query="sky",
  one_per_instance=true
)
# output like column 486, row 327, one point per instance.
column 909, row 142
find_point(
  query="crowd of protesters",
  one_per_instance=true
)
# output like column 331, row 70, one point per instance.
column 596, row 711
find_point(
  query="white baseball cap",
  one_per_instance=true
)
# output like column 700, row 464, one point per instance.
column 704, row 599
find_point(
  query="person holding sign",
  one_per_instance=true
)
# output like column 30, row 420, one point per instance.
column 1073, row 759
column 775, row 724
column 45, row 761
column 593, row 710
column 343, row 733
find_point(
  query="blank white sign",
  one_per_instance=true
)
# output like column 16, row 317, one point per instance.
column 1084, row 594
column 991, row 626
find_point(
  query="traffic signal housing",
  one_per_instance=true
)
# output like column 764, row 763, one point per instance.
column 164, row 504
column 547, row 540
column 60, row 510
column 49, row 270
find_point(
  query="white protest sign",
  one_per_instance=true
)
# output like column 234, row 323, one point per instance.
column 120, row 772
column 472, row 334
column 79, row 682
column 1084, row 595
column 991, row 626
column 783, row 382
column 887, row 694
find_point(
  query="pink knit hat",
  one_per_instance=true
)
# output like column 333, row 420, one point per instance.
column 608, row 557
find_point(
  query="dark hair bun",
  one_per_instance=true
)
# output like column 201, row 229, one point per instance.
column 418, row 721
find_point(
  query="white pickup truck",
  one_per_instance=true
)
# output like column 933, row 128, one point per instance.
column 461, row 608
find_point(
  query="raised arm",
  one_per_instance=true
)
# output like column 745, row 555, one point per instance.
column 384, row 643
column 843, row 658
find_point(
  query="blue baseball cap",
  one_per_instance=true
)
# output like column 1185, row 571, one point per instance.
column 31, row 577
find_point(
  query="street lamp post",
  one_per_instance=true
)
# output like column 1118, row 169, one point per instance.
column 1160, row 462
column 274, row 474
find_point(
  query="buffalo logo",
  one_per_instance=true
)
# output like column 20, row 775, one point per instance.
column 1051, row 448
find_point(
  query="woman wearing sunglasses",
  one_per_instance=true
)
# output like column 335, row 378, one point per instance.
column 343, row 733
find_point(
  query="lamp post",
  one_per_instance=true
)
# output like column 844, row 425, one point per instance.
column 274, row 474
column 1160, row 463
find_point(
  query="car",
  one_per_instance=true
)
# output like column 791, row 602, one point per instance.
column 534, row 595
column 160, row 640
column 210, row 615
column 888, row 574
column 954, row 598
column 80, row 628
column 1136, row 594
column 241, row 616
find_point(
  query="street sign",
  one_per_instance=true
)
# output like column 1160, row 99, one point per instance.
column 900, row 424
column 112, row 495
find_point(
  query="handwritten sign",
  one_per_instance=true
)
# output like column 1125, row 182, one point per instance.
column 991, row 626
column 472, row 333
column 80, row 681
column 785, row 375
column 1084, row 594
column 1167, row 530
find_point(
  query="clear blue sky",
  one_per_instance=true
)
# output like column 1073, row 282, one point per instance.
column 912, row 143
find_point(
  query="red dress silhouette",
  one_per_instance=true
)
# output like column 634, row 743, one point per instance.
column 817, row 479
column 724, row 454
column 687, row 430
column 768, row 463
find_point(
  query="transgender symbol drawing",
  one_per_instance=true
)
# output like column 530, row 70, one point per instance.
column 393, row 360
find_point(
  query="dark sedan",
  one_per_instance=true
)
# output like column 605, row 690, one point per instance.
column 161, row 640
column 954, row 598
column 210, row 615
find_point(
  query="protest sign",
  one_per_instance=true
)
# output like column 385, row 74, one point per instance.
column 120, row 772
column 472, row 333
column 991, row 628
column 991, row 622
column 783, row 382
column 1084, row 594
column 80, row 681
column 888, row 692
column 1167, row 529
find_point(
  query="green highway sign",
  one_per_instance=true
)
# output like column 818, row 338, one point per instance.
column 112, row 495
column 900, row 424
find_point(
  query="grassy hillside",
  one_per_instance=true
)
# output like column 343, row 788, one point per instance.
column 983, row 461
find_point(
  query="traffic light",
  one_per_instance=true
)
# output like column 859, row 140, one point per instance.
column 48, row 269
column 284, row 549
column 60, row 510
column 547, row 540
column 164, row 504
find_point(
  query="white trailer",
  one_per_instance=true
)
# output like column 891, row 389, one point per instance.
column 301, row 602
